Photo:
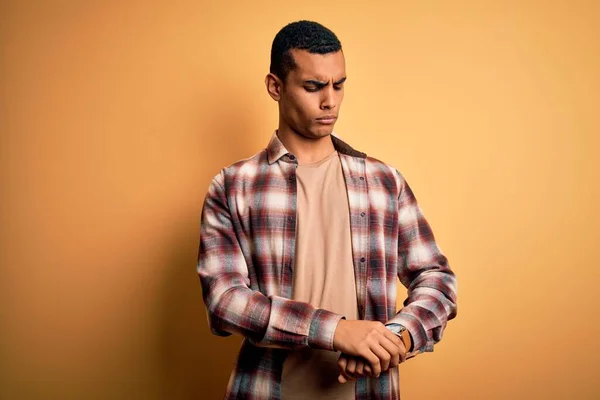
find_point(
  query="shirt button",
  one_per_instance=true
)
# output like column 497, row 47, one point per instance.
column 362, row 259
column 292, row 157
column 291, row 178
column 362, row 178
column 290, row 218
column 362, row 214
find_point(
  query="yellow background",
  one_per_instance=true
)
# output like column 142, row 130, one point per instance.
column 116, row 114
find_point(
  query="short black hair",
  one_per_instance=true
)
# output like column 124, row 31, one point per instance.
column 303, row 35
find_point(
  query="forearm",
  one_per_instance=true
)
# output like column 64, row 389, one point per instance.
column 268, row 321
column 430, row 304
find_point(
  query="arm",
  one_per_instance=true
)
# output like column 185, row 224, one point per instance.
column 233, row 307
column 425, row 272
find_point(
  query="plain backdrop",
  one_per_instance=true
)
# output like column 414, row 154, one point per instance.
column 115, row 115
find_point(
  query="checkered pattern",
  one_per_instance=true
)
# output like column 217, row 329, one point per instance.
column 245, row 264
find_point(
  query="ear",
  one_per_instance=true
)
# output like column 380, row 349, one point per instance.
column 274, row 86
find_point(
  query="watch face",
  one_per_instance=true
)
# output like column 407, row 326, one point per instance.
column 397, row 328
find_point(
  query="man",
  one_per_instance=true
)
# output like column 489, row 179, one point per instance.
column 302, row 245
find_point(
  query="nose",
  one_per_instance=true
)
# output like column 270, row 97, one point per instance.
column 328, row 100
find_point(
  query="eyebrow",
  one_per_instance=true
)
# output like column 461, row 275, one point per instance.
column 322, row 84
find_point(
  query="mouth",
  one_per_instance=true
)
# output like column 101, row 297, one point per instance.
column 327, row 120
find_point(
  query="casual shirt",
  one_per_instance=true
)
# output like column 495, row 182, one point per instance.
column 246, row 258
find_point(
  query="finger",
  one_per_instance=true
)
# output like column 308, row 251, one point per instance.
column 402, row 353
column 374, row 362
column 397, row 340
column 360, row 368
column 391, row 346
column 342, row 362
column 343, row 365
column 393, row 349
column 351, row 367
column 347, row 377
column 402, row 357
column 383, row 355
column 397, row 358
column 368, row 370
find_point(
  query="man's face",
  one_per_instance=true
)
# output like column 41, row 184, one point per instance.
column 312, row 93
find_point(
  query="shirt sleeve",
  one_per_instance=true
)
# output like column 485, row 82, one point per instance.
column 425, row 272
column 233, row 307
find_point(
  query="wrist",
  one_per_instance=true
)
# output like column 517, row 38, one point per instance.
column 338, row 333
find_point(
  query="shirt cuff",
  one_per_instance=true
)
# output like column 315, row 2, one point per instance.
column 322, row 329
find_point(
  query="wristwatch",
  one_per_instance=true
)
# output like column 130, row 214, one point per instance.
column 401, row 331
column 396, row 328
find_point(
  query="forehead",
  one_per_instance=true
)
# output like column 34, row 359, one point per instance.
column 323, row 67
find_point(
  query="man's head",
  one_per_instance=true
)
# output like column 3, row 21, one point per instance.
column 306, row 78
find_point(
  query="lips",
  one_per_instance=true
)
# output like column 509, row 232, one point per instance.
column 328, row 119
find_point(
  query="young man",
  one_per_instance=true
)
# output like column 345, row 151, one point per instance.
column 302, row 245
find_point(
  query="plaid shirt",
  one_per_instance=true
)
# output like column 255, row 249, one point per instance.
column 245, row 264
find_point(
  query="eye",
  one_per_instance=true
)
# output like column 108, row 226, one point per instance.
column 338, row 87
column 311, row 88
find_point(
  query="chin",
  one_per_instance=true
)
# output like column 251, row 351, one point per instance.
column 316, row 132
column 322, row 131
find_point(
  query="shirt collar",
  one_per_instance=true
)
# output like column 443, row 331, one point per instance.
column 276, row 149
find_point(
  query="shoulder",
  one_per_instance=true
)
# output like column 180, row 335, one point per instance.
column 388, row 175
column 241, row 170
column 377, row 171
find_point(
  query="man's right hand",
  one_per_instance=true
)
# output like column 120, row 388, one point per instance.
column 370, row 340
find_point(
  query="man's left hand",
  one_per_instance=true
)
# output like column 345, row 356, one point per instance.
column 353, row 367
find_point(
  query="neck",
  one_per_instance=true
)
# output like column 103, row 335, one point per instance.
column 306, row 150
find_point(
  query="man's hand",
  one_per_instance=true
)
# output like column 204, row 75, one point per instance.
column 353, row 367
column 370, row 341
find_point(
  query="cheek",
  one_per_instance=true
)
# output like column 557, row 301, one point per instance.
column 307, row 105
column 301, row 107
